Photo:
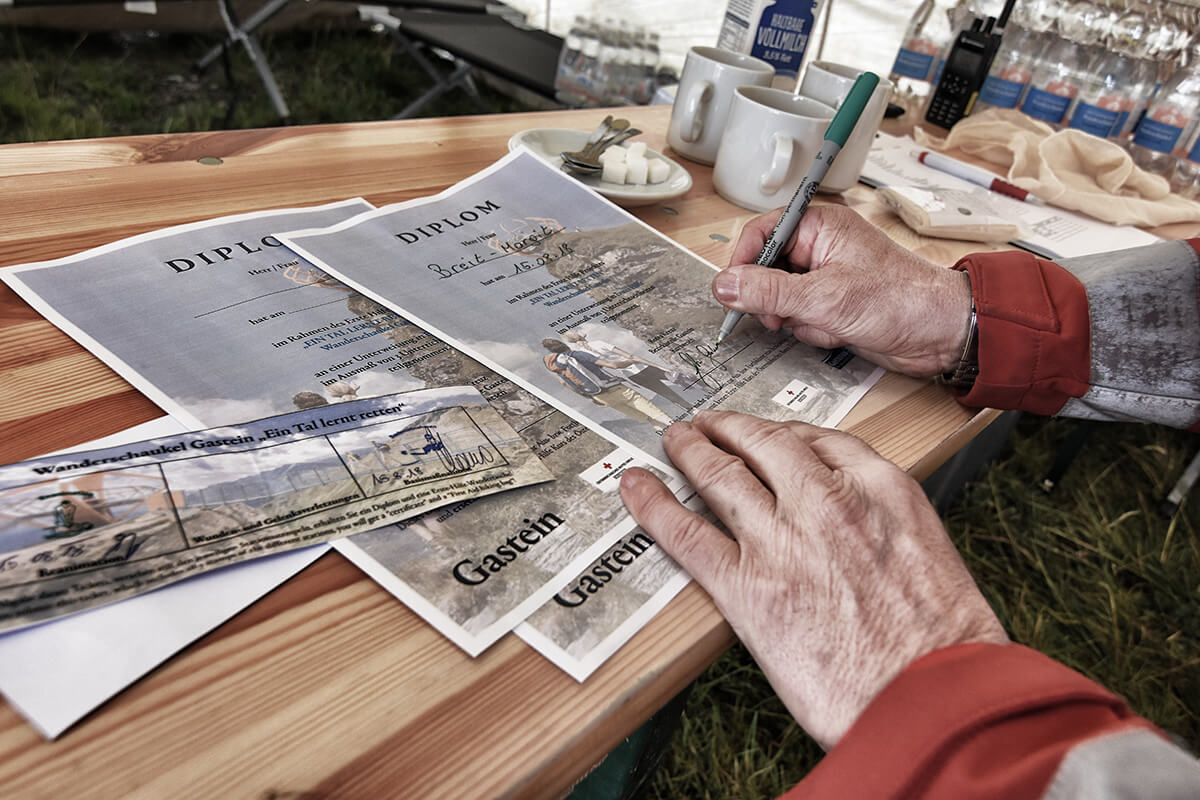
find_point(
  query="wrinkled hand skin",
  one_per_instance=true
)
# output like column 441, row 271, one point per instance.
column 845, row 283
column 837, row 573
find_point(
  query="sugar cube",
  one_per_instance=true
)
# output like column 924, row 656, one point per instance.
column 637, row 149
column 658, row 170
column 614, row 171
column 614, row 154
column 637, row 167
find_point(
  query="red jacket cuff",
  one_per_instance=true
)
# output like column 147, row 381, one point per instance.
column 973, row 720
column 1034, row 333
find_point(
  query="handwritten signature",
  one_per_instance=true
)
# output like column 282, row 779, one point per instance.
column 450, row 460
column 709, row 371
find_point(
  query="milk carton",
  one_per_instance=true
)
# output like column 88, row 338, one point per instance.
column 777, row 31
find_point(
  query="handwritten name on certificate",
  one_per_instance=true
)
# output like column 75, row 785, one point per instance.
column 579, row 303
column 86, row 529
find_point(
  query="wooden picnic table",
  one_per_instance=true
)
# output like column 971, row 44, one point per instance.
column 328, row 686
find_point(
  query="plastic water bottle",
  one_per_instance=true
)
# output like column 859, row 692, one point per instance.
column 1083, row 22
column 1054, row 83
column 1167, row 122
column 1038, row 16
column 588, row 78
column 1141, row 91
column 618, row 72
column 1104, row 95
column 1011, row 70
column 1186, row 178
column 570, row 58
column 927, row 33
column 608, row 69
column 648, row 76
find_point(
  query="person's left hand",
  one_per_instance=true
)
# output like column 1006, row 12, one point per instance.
column 838, row 574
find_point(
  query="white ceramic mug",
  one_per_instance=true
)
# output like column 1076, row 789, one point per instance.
column 770, row 141
column 829, row 83
column 704, row 96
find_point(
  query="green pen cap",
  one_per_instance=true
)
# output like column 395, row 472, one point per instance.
column 851, row 109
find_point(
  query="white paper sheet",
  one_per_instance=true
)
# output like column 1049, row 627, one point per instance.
column 1046, row 230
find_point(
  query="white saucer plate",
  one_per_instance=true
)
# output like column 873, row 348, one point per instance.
column 548, row 143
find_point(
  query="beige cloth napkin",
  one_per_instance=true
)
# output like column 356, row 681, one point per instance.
column 1068, row 168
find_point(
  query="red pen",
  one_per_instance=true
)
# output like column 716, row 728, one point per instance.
column 979, row 177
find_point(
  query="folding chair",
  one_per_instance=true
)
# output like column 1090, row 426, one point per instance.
column 1179, row 491
column 527, row 58
column 243, row 34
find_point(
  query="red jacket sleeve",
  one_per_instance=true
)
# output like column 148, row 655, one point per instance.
column 1037, row 320
column 1034, row 336
column 974, row 720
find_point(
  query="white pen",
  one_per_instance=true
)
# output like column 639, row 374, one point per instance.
column 979, row 177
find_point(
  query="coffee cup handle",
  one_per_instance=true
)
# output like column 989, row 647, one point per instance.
column 781, row 159
column 692, row 125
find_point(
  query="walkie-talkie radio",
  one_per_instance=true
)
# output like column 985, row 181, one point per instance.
column 966, row 69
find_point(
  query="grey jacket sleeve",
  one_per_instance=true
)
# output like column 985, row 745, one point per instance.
column 1132, row 765
column 1144, row 315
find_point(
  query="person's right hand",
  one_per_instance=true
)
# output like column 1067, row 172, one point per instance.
column 851, row 286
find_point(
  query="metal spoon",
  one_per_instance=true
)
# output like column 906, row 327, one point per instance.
column 591, row 163
column 594, row 143
column 591, row 157
column 601, row 129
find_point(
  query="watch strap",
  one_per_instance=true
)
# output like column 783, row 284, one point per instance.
column 967, row 369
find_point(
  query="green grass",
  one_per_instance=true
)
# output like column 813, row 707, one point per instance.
column 61, row 85
column 1091, row 574
column 736, row 739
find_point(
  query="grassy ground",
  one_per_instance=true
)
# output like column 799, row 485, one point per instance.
column 62, row 85
column 1091, row 574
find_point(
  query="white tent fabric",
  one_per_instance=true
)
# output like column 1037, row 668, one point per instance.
column 865, row 33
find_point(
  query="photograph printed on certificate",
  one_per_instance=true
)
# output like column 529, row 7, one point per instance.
column 232, row 335
column 86, row 529
column 580, row 303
